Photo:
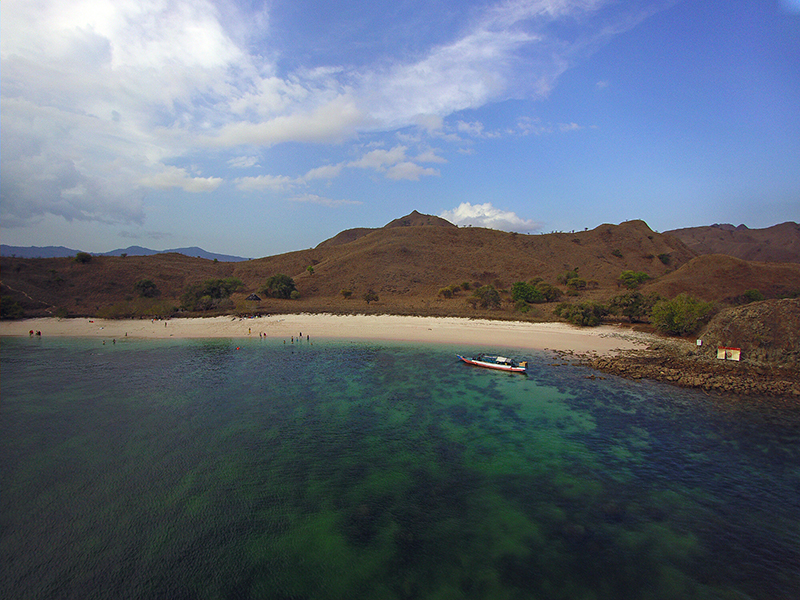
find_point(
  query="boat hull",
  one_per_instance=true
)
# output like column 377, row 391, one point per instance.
column 492, row 365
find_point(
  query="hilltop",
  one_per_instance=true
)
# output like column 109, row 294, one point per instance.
column 406, row 263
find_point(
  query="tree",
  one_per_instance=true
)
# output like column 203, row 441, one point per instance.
column 485, row 297
column 83, row 257
column 279, row 286
column 634, row 305
column 146, row 288
column 310, row 270
column 209, row 294
column 585, row 314
column 633, row 279
column 682, row 315
column 370, row 296
column 526, row 292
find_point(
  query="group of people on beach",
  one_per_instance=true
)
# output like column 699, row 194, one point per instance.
column 37, row 334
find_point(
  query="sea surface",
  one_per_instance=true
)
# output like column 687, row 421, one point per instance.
column 337, row 470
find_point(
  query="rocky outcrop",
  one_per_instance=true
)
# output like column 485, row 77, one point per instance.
column 663, row 363
column 768, row 333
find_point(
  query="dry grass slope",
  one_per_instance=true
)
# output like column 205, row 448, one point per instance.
column 405, row 263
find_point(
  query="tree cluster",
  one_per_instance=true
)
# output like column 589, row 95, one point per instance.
column 280, row 286
column 211, row 294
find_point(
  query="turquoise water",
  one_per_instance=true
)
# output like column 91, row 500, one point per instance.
column 257, row 469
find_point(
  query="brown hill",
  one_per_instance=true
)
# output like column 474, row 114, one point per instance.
column 767, row 332
column 779, row 243
column 725, row 278
column 415, row 219
column 406, row 263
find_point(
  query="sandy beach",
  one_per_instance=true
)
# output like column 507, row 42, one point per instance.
column 560, row 337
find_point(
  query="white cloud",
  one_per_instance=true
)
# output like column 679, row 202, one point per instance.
column 314, row 199
column 243, row 162
column 409, row 170
column 335, row 121
column 272, row 183
column 473, row 128
column 396, row 165
column 379, row 159
column 429, row 156
column 486, row 215
column 175, row 177
column 324, row 172
column 100, row 97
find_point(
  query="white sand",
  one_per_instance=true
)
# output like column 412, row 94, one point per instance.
column 444, row 330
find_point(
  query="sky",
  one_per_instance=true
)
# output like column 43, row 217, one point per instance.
column 257, row 128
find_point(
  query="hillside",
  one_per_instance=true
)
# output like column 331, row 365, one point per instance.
column 779, row 243
column 725, row 279
column 405, row 262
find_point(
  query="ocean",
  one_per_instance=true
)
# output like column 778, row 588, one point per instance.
column 330, row 469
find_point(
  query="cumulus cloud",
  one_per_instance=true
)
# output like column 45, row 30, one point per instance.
column 486, row 215
column 395, row 164
column 101, row 97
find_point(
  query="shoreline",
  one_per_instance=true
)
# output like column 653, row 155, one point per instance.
column 606, row 340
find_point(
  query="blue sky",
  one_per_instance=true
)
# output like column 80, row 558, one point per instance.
column 257, row 128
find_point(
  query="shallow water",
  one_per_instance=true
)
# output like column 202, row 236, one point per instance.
column 257, row 469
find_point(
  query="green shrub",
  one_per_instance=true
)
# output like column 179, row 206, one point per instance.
column 753, row 296
column 682, row 315
column 535, row 292
column 210, row 294
column 526, row 292
column 522, row 306
column 10, row 309
column 567, row 275
column 370, row 296
column 485, row 297
column 346, row 294
column 585, row 314
column 146, row 288
column 616, row 252
column 576, row 283
column 634, row 305
column 83, row 257
column 633, row 279
column 664, row 258
column 279, row 286
column 446, row 292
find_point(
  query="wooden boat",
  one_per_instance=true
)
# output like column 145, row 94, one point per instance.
column 501, row 363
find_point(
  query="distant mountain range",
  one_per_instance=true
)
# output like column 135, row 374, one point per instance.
column 61, row 251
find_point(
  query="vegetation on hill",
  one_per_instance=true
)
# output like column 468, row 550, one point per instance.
column 419, row 265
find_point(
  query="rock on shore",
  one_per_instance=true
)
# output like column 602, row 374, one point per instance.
column 767, row 332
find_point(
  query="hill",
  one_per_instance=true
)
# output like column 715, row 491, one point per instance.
column 725, row 279
column 63, row 252
column 779, row 243
column 406, row 263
